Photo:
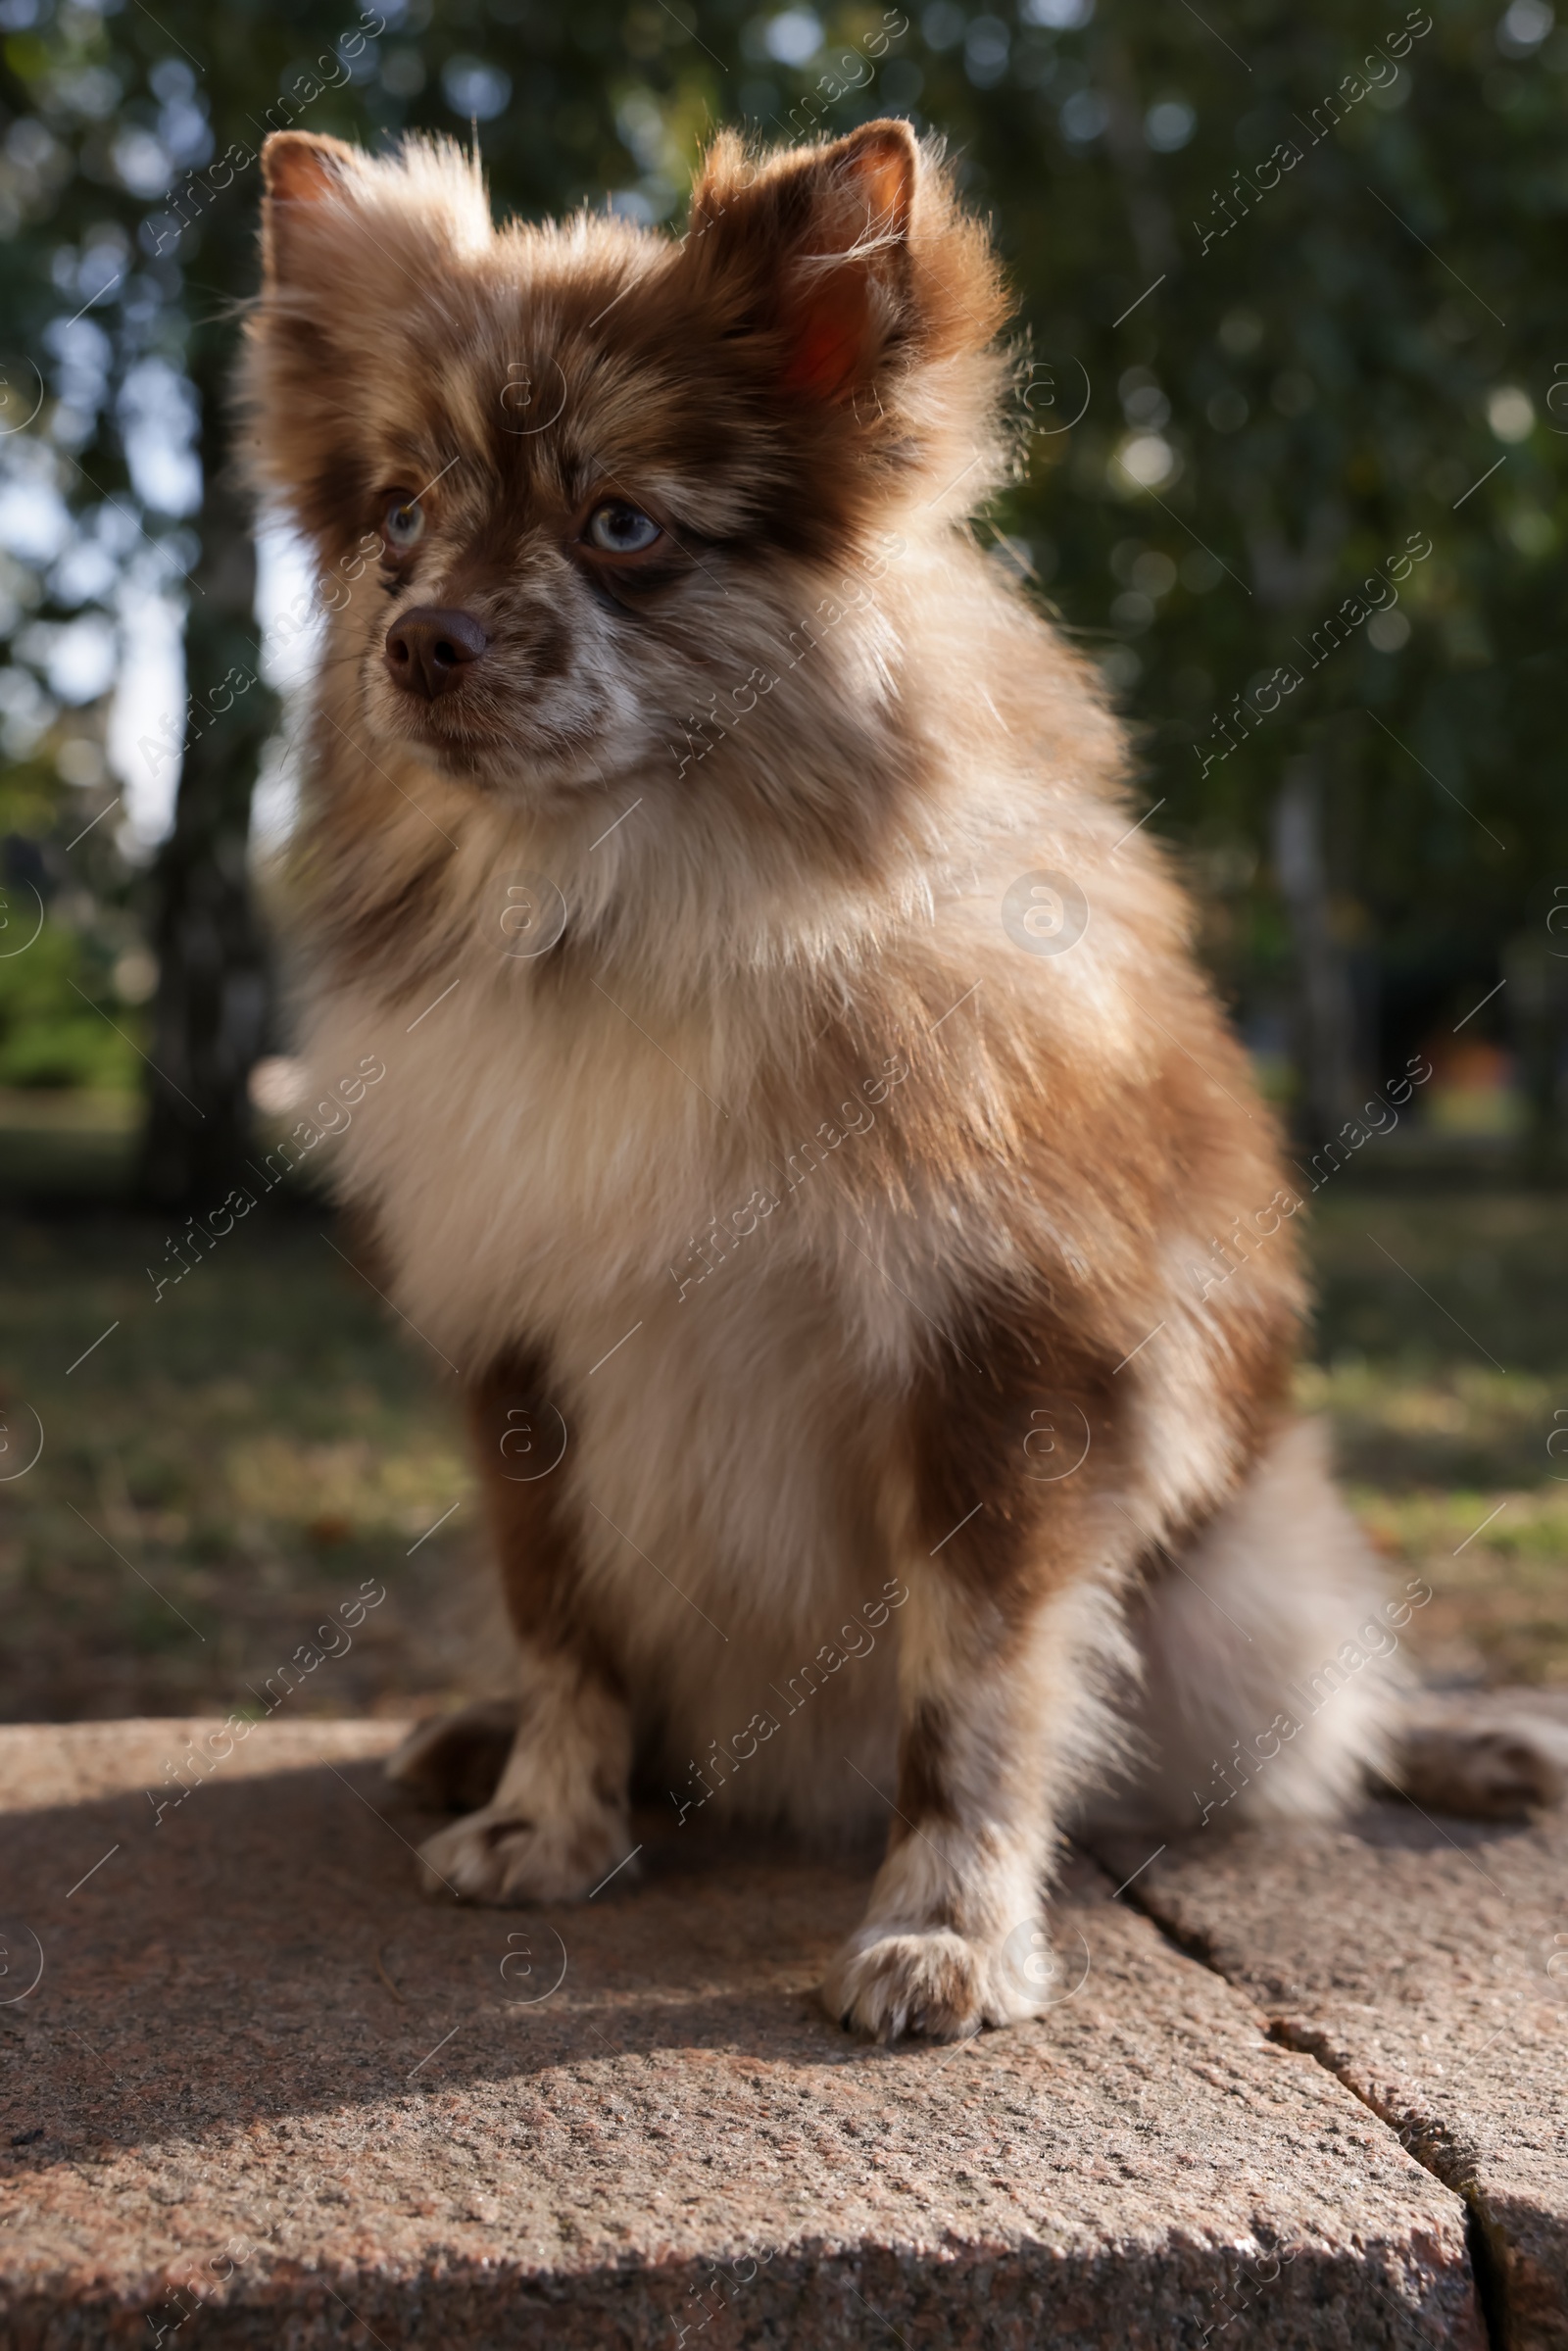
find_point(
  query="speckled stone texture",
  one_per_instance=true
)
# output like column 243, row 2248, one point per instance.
column 1426, row 1961
column 263, row 2094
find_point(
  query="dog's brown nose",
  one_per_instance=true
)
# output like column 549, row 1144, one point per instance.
column 429, row 650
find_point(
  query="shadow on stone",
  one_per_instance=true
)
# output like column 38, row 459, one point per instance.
column 283, row 2098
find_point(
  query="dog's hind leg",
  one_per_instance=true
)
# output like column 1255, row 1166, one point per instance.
column 454, row 1762
column 1484, row 1765
column 1271, row 1685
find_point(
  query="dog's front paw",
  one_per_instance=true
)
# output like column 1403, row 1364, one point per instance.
column 887, row 1982
column 504, row 1856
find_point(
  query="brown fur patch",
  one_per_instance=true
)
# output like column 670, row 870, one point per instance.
column 512, row 1423
column 924, row 1793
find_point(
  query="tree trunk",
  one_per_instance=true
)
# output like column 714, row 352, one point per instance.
column 1537, row 1006
column 1325, row 1024
column 1148, row 214
column 211, row 1011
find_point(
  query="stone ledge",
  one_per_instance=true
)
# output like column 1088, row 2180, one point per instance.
column 263, row 2093
column 1411, row 1955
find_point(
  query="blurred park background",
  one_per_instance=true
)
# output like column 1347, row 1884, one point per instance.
column 1294, row 336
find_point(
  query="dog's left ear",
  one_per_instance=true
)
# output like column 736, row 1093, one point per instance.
column 814, row 253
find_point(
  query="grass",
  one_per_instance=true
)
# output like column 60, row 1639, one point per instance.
column 1441, row 1356
column 230, row 1464
column 218, row 1472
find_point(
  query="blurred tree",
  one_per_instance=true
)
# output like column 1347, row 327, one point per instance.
column 1305, row 261
column 1291, row 289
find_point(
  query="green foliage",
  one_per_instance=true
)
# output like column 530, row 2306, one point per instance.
column 50, row 1034
column 1286, row 371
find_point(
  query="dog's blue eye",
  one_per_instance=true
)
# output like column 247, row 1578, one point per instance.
column 403, row 526
column 618, row 528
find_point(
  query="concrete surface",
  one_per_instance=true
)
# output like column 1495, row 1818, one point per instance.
column 1426, row 1961
column 263, row 2094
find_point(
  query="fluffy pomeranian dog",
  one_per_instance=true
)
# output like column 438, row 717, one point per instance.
column 806, row 1132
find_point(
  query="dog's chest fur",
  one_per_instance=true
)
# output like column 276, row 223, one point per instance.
column 538, row 1172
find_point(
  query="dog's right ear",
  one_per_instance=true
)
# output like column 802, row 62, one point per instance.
column 341, row 227
column 362, row 258
column 299, row 169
